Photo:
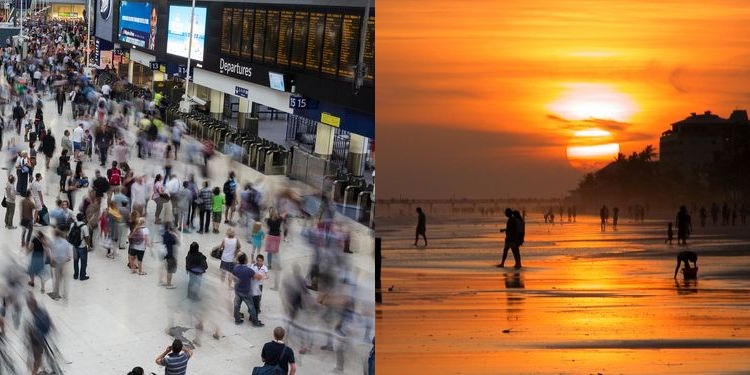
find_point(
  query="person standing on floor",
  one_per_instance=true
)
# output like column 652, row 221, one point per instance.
column 276, row 352
column 60, row 100
column 273, row 240
column 229, row 247
column 10, row 202
column 230, row 195
column 242, row 291
column 205, row 201
column 175, row 358
column 27, row 218
column 421, row 227
column 139, row 240
column 170, row 241
column 196, row 265
column 62, row 253
column 78, row 236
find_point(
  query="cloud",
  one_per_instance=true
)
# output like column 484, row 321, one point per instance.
column 605, row 124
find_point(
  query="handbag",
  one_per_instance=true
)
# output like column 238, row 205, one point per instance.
column 216, row 252
column 270, row 369
column 5, row 202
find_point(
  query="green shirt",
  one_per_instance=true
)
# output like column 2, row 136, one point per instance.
column 217, row 203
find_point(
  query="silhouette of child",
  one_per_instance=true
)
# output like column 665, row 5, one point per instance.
column 670, row 234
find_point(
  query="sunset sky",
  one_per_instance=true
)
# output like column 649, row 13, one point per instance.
column 482, row 98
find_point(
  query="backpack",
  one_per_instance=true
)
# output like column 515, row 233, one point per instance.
column 229, row 187
column 114, row 176
column 43, row 216
column 75, row 236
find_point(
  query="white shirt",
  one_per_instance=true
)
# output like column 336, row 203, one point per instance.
column 62, row 250
column 256, row 284
column 77, row 134
column 138, row 193
column 140, row 246
column 106, row 89
column 230, row 249
column 36, row 189
column 172, row 186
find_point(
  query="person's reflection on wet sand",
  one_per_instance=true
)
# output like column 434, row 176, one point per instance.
column 686, row 287
column 513, row 299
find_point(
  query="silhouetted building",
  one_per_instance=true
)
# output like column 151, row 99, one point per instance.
column 700, row 142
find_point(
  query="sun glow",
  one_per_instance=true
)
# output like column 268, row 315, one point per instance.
column 582, row 101
column 591, row 149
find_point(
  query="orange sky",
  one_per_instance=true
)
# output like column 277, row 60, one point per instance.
column 479, row 98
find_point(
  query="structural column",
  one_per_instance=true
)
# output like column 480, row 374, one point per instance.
column 131, row 66
column 357, row 154
column 324, row 140
column 217, row 104
column 246, row 123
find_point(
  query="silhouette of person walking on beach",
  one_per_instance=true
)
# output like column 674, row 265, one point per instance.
column 670, row 233
column 703, row 215
column 684, row 226
column 615, row 217
column 684, row 257
column 421, row 227
column 604, row 215
column 514, row 232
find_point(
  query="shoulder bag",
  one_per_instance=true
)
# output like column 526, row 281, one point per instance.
column 270, row 369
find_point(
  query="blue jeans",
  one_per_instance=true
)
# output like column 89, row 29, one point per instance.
column 80, row 255
column 194, row 286
column 248, row 300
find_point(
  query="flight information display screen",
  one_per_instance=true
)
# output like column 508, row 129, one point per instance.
column 286, row 25
column 348, row 54
column 331, row 44
column 259, row 36
column 248, row 20
column 304, row 39
column 299, row 39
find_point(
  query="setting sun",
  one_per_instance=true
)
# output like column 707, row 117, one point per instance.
column 581, row 101
column 591, row 149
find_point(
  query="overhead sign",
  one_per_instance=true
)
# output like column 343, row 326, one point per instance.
column 302, row 102
column 330, row 119
column 235, row 69
column 154, row 65
column 241, row 91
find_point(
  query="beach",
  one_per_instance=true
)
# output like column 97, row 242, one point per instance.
column 585, row 301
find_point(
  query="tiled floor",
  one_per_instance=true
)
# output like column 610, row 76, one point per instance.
column 118, row 320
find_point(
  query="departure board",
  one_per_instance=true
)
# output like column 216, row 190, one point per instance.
column 369, row 57
column 260, row 34
column 349, row 41
column 247, row 33
column 286, row 23
column 299, row 41
column 315, row 41
column 331, row 42
column 272, row 36
column 226, row 30
column 236, row 30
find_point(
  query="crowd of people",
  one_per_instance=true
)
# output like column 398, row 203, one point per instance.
column 110, row 212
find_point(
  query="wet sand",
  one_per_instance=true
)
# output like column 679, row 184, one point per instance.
column 585, row 301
